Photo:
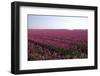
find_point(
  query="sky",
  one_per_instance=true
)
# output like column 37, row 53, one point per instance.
column 57, row 22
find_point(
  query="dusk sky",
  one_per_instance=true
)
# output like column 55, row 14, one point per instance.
column 56, row 22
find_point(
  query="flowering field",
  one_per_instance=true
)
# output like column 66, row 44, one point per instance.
column 57, row 44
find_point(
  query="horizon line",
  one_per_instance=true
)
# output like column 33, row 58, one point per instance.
column 58, row 29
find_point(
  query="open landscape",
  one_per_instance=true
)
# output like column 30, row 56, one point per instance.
column 51, row 44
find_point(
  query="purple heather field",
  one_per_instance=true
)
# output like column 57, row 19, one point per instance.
column 57, row 44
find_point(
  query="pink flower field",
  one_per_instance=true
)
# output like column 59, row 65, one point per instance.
column 56, row 44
